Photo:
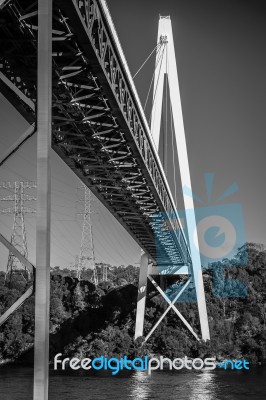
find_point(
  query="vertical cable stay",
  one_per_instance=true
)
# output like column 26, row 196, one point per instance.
column 159, row 62
column 158, row 46
column 166, row 116
column 172, row 136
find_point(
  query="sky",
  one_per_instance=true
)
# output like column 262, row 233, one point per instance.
column 220, row 49
column 222, row 75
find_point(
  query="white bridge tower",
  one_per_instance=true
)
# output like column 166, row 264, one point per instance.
column 166, row 66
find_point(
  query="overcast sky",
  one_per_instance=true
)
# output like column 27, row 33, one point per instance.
column 220, row 48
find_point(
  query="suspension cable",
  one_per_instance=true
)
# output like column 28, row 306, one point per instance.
column 160, row 58
column 158, row 45
column 174, row 152
column 166, row 117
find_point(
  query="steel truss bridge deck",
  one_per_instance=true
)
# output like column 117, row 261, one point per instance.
column 99, row 128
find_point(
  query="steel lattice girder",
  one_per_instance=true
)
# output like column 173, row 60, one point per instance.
column 97, row 126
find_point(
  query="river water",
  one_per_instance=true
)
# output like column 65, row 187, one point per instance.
column 16, row 384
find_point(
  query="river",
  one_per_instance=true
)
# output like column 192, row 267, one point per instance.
column 16, row 384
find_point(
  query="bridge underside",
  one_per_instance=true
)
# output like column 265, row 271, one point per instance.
column 98, row 128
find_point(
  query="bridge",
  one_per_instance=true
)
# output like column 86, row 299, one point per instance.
column 99, row 128
column 62, row 67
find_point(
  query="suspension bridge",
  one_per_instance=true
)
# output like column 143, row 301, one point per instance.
column 62, row 67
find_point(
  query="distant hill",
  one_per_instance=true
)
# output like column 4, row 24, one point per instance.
column 90, row 321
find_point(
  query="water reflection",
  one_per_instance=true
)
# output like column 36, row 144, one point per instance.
column 16, row 384
column 203, row 386
column 140, row 385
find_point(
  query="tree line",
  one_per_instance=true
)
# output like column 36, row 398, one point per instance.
column 91, row 321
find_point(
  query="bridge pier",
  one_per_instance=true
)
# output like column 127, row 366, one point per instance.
column 147, row 272
column 142, row 293
column 43, row 224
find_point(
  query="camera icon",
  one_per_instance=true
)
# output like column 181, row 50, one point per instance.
column 218, row 233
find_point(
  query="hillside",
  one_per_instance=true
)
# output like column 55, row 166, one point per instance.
column 90, row 321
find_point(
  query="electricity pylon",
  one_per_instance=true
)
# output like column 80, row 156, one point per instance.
column 18, row 237
column 86, row 254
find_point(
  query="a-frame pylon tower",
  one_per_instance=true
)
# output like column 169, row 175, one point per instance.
column 166, row 60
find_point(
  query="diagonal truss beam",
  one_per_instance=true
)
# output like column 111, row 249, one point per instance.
column 18, row 92
column 18, row 143
column 32, row 128
column 16, row 305
column 16, row 253
column 2, row 3
column 171, row 306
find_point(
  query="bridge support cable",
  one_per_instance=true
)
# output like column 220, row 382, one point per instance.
column 159, row 59
column 157, row 47
column 174, row 163
column 169, row 68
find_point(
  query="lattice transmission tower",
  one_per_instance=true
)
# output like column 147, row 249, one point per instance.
column 86, row 254
column 18, row 236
